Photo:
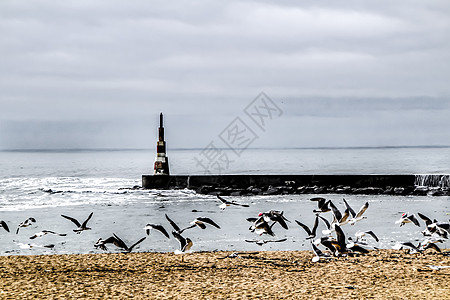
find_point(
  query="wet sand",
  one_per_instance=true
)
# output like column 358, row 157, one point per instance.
column 380, row 274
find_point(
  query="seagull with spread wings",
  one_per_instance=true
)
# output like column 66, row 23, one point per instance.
column 80, row 227
column 226, row 203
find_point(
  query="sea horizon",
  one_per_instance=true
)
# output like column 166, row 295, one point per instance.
column 107, row 149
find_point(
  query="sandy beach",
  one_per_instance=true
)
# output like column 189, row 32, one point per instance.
column 380, row 274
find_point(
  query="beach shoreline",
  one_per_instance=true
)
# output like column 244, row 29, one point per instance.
column 380, row 274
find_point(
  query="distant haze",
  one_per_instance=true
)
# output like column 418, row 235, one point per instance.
column 96, row 74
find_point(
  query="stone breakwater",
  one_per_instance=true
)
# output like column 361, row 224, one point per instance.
column 248, row 185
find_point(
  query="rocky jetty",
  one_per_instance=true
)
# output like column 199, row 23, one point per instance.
column 340, row 189
column 248, row 185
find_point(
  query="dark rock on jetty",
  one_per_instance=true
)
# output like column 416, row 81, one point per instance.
column 248, row 185
column 287, row 190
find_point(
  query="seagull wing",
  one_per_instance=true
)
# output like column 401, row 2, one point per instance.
column 34, row 236
column 158, row 227
column 280, row 219
column 320, row 201
column 358, row 248
column 316, row 224
column 432, row 245
column 87, row 220
column 181, row 239
column 239, row 204
column 425, row 219
column 305, row 227
column 317, row 251
column 222, row 200
column 208, row 221
column 326, row 222
column 75, row 221
column 188, row 245
column 362, row 210
column 49, row 231
column 373, row 235
column 175, row 226
column 410, row 245
column 278, row 241
column 345, row 216
column 201, row 225
column 111, row 240
column 337, row 214
column 340, row 237
column 328, row 244
column 350, row 210
column 119, row 243
column 135, row 244
column 4, row 225
column 413, row 219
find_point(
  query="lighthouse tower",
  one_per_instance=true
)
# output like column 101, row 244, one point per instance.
column 161, row 161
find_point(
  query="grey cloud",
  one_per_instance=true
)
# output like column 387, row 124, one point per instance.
column 119, row 64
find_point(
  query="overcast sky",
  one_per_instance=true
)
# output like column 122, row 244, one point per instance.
column 96, row 74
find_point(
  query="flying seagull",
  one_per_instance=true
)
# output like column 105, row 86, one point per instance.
column 359, row 216
column 201, row 222
column 322, row 204
column 226, row 203
column 26, row 223
column 115, row 240
column 158, row 227
column 434, row 227
column 4, row 225
column 260, row 226
column 45, row 232
column 311, row 232
column 407, row 218
column 81, row 227
column 412, row 248
column 29, row 246
column 275, row 216
column 360, row 235
column 262, row 242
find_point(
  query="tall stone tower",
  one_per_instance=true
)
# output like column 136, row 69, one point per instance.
column 161, row 161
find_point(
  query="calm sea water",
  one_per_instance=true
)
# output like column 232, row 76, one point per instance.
column 46, row 184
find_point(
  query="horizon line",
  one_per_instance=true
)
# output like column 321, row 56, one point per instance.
column 224, row 148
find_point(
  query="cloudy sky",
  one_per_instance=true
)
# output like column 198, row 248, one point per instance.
column 96, row 74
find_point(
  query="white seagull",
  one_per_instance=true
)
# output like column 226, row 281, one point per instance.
column 407, row 218
column 45, row 232
column 115, row 240
column 26, row 223
column 359, row 216
column 361, row 234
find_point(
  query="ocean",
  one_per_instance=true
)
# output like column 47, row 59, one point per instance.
column 46, row 184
